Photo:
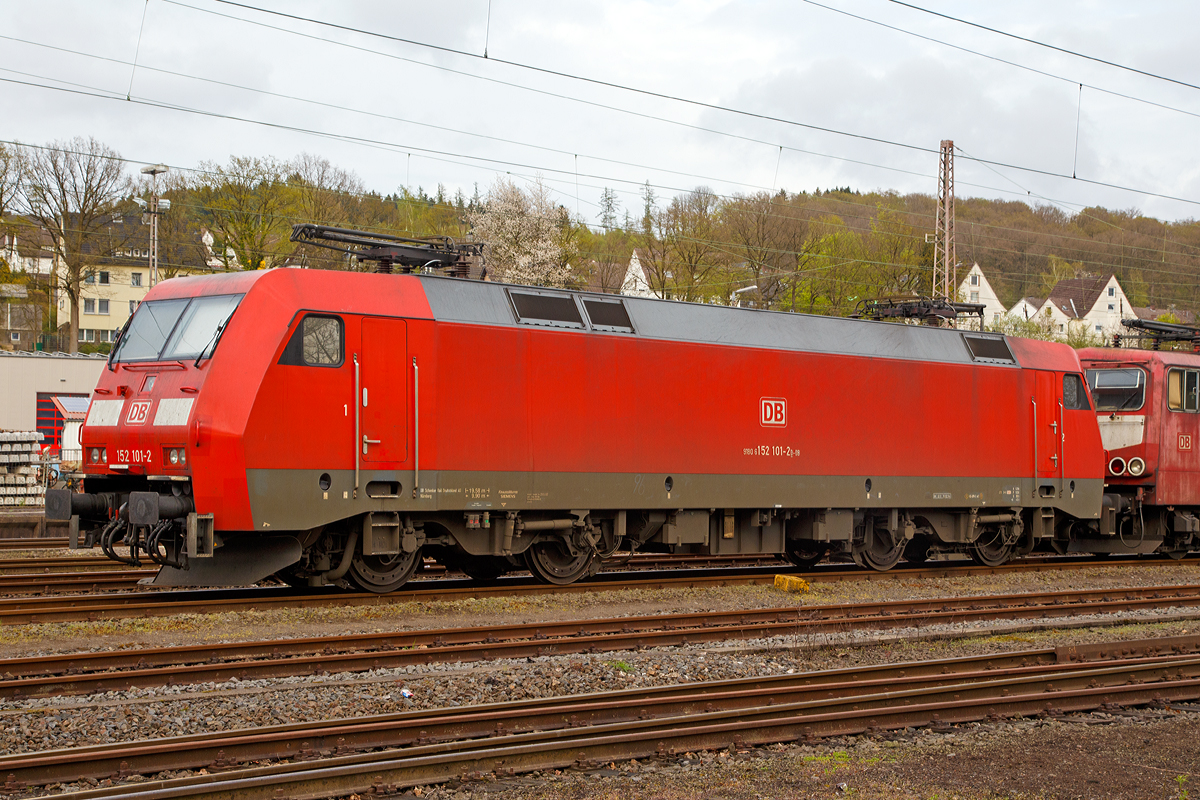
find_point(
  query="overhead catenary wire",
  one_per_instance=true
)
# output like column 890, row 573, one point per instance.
column 665, row 96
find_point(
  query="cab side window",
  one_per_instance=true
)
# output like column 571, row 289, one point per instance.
column 1074, row 395
column 319, row 341
column 1183, row 390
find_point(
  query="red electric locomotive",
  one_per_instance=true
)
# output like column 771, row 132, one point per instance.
column 332, row 427
column 1148, row 405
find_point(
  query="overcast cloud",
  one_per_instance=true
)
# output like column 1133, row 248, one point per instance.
column 425, row 115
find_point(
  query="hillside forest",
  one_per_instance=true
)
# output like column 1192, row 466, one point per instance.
column 813, row 250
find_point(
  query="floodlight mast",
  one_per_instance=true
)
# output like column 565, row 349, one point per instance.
column 154, row 170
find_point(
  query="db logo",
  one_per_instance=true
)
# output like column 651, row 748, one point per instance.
column 138, row 411
column 1185, row 441
column 772, row 412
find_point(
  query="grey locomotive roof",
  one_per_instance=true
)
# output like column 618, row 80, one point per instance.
column 487, row 303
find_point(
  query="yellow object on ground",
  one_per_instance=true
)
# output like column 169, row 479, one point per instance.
column 790, row 583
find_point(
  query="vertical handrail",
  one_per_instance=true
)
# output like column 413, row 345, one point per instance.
column 1035, row 448
column 416, row 429
column 1061, row 440
column 357, row 422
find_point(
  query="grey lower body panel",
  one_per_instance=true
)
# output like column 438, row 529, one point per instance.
column 292, row 499
column 240, row 561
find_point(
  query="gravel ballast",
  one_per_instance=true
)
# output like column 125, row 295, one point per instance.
column 32, row 725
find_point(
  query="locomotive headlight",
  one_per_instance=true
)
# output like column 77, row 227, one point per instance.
column 173, row 455
column 182, row 457
column 95, row 455
column 1136, row 466
column 1117, row 466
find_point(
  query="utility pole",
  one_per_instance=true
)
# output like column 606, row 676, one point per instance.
column 945, row 264
column 154, row 171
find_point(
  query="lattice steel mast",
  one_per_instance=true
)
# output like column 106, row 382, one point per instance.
column 945, row 264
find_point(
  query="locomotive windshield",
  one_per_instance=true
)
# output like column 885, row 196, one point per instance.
column 1117, row 389
column 165, row 330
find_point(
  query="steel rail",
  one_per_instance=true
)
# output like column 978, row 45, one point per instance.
column 34, row 543
column 743, row 712
column 92, row 671
column 117, row 605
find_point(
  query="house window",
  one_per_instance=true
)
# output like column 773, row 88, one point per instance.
column 1112, row 291
column 1060, row 328
column 135, row 279
column 996, row 316
column 974, row 297
column 1111, row 307
column 104, row 279
column 91, row 334
column 15, row 336
column 974, row 280
column 103, row 306
column 132, row 306
column 82, row 337
column 89, row 306
column 1099, row 329
column 90, row 278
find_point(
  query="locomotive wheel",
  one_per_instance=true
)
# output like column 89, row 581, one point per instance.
column 383, row 574
column 805, row 555
column 550, row 562
column 879, row 550
column 990, row 550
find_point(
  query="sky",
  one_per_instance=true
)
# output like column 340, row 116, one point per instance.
column 737, row 97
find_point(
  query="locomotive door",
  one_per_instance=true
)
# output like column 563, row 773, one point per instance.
column 1047, row 432
column 383, row 396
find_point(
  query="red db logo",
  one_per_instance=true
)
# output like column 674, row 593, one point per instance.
column 1185, row 441
column 139, row 410
column 772, row 412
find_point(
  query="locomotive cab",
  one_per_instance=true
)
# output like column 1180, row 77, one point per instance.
column 141, row 433
column 1148, row 409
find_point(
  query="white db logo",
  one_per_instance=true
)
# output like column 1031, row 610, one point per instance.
column 139, row 410
column 772, row 412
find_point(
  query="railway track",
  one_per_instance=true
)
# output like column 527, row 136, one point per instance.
column 89, row 672
column 34, row 543
column 340, row 756
column 52, row 603
column 78, row 574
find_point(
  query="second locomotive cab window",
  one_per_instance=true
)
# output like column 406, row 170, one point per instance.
column 1183, row 390
column 1117, row 389
column 1074, row 395
column 317, row 342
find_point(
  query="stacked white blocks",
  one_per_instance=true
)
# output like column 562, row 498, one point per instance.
column 20, row 455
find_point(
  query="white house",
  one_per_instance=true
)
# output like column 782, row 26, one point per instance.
column 1026, row 308
column 1094, row 305
column 635, row 283
column 976, row 289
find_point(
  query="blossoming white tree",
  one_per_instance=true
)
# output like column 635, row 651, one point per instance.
column 529, row 237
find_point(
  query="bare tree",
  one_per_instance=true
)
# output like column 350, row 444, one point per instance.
column 682, row 251
column 71, row 190
column 327, row 195
column 10, row 178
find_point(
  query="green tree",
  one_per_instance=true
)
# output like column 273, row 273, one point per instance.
column 250, row 209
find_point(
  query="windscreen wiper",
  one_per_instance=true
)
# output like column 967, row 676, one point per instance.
column 212, row 343
column 116, row 348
